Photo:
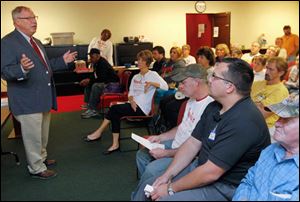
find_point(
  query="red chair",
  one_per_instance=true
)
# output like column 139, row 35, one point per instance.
column 107, row 98
column 181, row 112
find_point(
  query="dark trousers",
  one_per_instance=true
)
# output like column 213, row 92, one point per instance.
column 169, row 108
column 92, row 94
column 116, row 112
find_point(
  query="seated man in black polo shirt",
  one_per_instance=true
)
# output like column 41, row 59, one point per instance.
column 228, row 140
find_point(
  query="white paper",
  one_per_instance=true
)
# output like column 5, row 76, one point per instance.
column 216, row 32
column 201, row 30
column 146, row 143
column 148, row 189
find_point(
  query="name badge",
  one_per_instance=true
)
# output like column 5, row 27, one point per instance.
column 212, row 135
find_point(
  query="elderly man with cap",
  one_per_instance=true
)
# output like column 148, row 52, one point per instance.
column 275, row 176
column 193, row 84
column 226, row 141
column 103, row 76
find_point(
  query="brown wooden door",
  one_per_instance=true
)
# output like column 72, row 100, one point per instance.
column 221, row 23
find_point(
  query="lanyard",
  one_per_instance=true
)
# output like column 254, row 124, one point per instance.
column 212, row 134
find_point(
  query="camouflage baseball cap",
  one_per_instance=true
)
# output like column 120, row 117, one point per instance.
column 192, row 70
column 287, row 108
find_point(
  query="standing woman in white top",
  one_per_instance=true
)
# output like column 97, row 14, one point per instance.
column 104, row 45
column 141, row 92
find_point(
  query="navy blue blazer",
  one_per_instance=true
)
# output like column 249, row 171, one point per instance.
column 32, row 92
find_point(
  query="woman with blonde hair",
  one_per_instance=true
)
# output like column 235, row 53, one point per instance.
column 174, row 63
column 222, row 51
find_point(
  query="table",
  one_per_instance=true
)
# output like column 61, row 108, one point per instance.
column 122, row 68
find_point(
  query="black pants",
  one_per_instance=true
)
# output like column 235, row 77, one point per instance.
column 169, row 108
column 116, row 112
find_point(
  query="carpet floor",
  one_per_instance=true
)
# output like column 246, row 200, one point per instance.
column 84, row 173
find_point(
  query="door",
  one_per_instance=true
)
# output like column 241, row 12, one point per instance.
column 221, row 24
column 207, row 30
column 198, row 31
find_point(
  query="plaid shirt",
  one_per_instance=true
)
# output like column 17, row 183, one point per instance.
column 272, row 178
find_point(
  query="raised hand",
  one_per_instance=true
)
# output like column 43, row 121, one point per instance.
column 69, row 57
column 26, row 63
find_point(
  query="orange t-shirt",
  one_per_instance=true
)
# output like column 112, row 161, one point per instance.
column 290, row 43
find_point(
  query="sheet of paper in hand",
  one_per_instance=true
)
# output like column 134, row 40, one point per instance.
column 146, row 143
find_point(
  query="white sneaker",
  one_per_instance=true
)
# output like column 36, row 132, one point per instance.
column 89, row 113
column 86, row 112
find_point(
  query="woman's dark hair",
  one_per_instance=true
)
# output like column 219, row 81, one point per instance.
column 208, row 53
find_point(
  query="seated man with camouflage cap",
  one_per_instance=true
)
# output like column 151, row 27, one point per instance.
column 275, row 176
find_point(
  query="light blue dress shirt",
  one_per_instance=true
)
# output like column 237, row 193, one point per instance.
column 272, row 178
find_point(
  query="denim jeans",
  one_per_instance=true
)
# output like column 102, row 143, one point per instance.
column 139, row 194
column 92, row 94
column 143, row 158
column 150, row 167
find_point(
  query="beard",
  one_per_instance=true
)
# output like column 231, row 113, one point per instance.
column 267, row 77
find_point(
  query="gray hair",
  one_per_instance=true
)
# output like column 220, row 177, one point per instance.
column 15, row 13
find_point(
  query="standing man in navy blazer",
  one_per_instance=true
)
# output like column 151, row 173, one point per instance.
column 30, row 87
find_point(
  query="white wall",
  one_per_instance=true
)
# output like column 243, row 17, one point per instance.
column 162, row 22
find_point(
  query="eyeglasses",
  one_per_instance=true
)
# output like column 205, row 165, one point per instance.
column 213, row 75
column 29, row 18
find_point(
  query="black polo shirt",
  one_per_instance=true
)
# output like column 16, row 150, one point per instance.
column 233, row 140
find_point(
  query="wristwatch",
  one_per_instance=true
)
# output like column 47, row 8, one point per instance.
column 170, row 190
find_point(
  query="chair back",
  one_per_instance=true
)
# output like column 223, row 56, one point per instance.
column 124, row 80
column 181, row 112
column 108, row 99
